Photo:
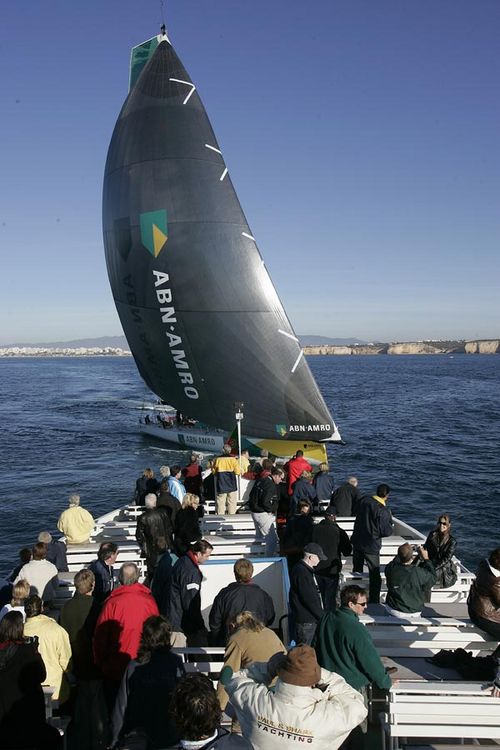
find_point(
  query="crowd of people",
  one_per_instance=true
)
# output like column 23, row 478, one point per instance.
column 107, row 655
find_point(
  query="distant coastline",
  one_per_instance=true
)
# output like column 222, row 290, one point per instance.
column 47, row 351
column 480, row 346
column 483, row 346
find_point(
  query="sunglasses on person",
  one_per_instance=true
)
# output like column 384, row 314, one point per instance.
column 362, row 604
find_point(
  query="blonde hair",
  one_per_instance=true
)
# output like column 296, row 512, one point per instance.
column 190, row 501
column 247, row 621
column 306, row 475
column 20, row 592
column 148, row 473
column 323, row 467
column 74, row 499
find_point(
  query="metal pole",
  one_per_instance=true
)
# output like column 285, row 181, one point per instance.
column 239, row 459
column 238, row 407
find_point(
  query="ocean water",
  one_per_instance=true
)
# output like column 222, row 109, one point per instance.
column 427, row 425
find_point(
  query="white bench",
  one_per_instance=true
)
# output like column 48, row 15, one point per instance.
column 440, row 710
column 424, row 641
column 391, row 620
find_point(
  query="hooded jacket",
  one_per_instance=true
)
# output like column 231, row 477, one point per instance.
column 286, row 715
column 119, row 627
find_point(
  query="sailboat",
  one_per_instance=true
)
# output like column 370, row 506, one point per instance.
column 205, row 325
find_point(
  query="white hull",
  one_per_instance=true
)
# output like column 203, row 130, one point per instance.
column 190, row 438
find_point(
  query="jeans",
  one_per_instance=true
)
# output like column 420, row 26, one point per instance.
column 265, row 528
column 373, row 563
column 304, row 632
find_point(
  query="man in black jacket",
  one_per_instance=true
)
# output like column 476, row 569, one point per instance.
column 242, row 596
column 305, row 600
column 346, row 498
column 373, row 522
column 263, row 503
column 334, row 542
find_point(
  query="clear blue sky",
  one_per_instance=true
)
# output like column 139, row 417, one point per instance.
column 362, row 137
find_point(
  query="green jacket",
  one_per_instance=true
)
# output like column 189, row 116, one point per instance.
column 343, row 645
column 407, row 584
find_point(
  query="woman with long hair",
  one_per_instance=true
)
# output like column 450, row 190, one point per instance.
column 187, row 524
column 145, row 692
column 441, row 545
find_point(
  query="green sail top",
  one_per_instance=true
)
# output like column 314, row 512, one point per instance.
column 139, row 56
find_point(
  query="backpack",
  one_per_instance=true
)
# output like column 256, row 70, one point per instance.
column 255, row 497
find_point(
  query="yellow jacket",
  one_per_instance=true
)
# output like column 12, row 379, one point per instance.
column 76, row 524
column 55, row 650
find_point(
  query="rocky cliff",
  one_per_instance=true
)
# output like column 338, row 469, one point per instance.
column 412, row 347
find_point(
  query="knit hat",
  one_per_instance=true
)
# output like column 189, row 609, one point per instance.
column 300, row 667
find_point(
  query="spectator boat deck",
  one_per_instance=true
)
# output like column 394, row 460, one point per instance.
column 428, row 704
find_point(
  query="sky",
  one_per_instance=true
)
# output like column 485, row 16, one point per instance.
column 362, row 137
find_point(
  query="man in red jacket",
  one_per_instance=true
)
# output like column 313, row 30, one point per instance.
column 119, row 627
column 295, row 467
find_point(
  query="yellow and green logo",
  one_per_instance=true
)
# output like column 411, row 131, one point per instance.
column 154, row 231
column 281, row 429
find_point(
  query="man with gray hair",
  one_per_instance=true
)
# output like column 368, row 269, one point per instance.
column 75, row 522
column 56, row 551
column 346, row 498
column 119, row 627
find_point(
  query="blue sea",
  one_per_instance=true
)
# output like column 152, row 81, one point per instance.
column 427, row 425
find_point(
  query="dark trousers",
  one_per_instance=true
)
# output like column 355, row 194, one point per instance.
column 328, row 586
column 373, row 565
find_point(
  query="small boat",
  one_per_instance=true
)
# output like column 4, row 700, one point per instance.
column 164, row 423
column 205, row 325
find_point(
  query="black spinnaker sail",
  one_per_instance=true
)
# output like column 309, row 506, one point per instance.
column 199, row 310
